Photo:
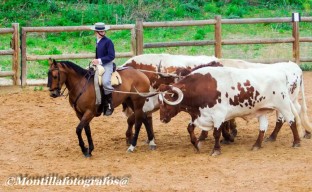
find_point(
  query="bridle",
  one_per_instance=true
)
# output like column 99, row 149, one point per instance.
column 58, row 88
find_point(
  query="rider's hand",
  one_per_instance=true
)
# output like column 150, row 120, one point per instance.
column 95, row 61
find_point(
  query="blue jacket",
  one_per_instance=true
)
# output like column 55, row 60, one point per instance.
column 105, row 50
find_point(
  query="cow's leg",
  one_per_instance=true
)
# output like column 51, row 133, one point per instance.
column 263, row 121
column 279, row 123
column 233, row 126
column 225, row 128
column 217, row 147
column 194, row 141
column 293, row 127
column 293, row 119
column 203, row 135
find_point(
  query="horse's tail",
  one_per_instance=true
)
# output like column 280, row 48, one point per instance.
column 303, row 111
column 126, row 110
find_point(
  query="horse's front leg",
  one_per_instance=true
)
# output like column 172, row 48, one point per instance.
column 90, row 141
column 84, row 121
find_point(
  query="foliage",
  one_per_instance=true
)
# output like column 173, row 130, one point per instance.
column 86, row 12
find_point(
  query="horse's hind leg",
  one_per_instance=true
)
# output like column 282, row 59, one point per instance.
column 90, row 141
column 129, row 133
column 148, row 123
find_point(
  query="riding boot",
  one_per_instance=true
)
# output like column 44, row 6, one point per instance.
column 105, row 104
column 110, row 107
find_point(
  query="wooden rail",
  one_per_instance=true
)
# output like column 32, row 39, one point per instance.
column 14, row 51
column 26, row 57
column 218, row 41
column 138, row 45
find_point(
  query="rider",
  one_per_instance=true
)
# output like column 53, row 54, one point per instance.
column 105, row 54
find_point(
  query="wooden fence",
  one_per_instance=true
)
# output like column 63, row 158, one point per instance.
column 14, row 51
column 138, row 45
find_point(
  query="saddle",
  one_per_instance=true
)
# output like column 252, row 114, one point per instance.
column 99, row 71
column 115, row 79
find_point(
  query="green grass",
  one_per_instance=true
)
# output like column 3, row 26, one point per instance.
column 75, row 13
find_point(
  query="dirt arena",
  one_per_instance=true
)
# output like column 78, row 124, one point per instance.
column 38, row 138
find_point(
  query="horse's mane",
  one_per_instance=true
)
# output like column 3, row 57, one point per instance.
column 81, row 71
column 211, row 64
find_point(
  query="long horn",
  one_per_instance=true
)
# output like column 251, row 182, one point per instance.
column 159, row 67
column 151, row 94
column 180, row 97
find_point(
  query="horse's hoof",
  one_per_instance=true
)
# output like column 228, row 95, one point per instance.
column 255, row 148
column 152, row 147
column 87, row 155
column 131, row 149
column 215, row 152
column 295, row 145
column 270, row 139
column 307, row 135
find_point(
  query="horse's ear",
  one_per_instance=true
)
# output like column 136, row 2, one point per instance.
column 50, row 61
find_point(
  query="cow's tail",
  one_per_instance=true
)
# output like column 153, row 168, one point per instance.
column 297, row 119
column 303, row 111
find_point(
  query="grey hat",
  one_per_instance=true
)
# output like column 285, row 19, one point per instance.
column 100, row 27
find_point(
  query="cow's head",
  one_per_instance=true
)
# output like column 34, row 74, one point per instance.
column 169, row 102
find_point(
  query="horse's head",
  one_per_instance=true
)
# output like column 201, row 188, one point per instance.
column 55, row 79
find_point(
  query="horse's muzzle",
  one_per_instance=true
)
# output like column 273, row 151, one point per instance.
column 55, row 93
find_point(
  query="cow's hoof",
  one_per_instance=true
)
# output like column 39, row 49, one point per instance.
column 307, row 135
column 295, row 145
column 130, row 149
column 270, row 139
column 226, row 142
column 152, row 147
column 215, row 152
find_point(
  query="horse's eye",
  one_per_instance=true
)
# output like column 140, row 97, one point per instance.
column 54, row 77
column 147, row 100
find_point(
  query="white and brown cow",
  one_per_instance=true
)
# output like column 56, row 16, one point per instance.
column 295, row 84
column 214, row 95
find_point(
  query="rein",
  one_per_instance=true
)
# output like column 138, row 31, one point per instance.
column 160, row 73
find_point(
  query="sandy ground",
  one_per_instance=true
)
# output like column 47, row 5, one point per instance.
column 38, row 138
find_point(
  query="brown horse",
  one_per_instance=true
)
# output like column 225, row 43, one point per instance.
column 80, row 85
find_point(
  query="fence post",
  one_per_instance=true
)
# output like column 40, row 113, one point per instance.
column 218, row 52
column 295, row 34
column 133, row 39
column 15, row 47
column 23, row 55
column 139, row 36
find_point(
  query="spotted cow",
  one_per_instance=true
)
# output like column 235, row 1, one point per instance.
column 214, row 95
column 295, row 84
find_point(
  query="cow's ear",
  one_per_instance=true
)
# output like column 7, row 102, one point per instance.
column 163, row 87
column 183, row 88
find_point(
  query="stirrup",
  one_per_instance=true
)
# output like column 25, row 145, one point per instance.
column 109, row 110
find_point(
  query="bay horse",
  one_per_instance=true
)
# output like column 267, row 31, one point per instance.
column 81, row 93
